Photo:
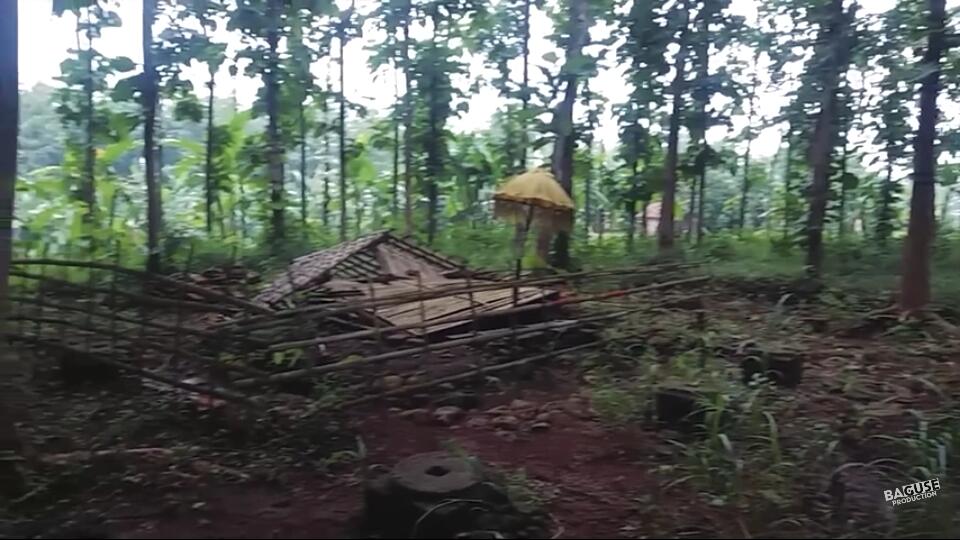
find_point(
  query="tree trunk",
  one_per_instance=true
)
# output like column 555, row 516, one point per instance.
column 665, row 231
column 408, row 110
column 274, row 147
column 601, row 226
column 631, row 209
column 562, row 161
column 342, row 138
column 88, row 191
column 915, row 284
column 149, row 116
column 303, row 167
column 208, row 168
column 643, row 218
column 787, row 172
column 395, row 192
column 11, row 481
column 745, row 187
column 325, row 217
column 842, row 217
column 700, row 199
column 821, row 145
column 691, row 212
column 587, row 198
column 703, row 51
column 525, row 87
column 945, row 209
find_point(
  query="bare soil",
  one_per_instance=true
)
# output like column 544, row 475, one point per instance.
column 218, row 473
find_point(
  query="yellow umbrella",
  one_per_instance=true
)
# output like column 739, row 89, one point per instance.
column 533, row 198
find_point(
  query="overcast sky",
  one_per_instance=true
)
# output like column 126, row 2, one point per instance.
column 45, row 40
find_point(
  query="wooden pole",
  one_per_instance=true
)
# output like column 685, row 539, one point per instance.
column 465, row 375
column 190, row 287
column 490, row 314
column 276, row 318
column 532, row 330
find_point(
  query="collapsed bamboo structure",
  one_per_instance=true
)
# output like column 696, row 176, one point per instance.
column 237, row 357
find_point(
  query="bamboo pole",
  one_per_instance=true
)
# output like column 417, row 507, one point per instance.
column 532, row 330
column 214, row 295
column 264, row 322
column 113, row 314
column 465, row 375
column 154, row 300
column 144, row 344
column 326, row 340
column 146, row 374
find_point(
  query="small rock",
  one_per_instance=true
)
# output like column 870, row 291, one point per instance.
column 204, row 522
column 507, row 436
column 394, row 410
column 418, row 416
column 421, row 400
column 378, row 468
column 544, row 417
column 464, row 400
column 412, row 380
column 540, row 426
column 521, row 404
column 447, row 415
column 198, row 505
column 478, row 422
column 499, row 410
column 506, row 422
column 552, row 406
column 446, row 386
column 392, row 382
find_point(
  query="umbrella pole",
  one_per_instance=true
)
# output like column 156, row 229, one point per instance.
column 521, row 243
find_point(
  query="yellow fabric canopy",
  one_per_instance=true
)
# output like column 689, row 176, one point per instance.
column 537, row 188
column 534, row 198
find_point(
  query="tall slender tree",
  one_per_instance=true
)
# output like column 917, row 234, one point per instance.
column 342, row 123
column 748, row 135
column 84, row 76
column 915, row 283
column 409, row 104
column 504, row 35
column 346, row 29
column 149, row 96
column 11, row 481
column 275, row 151
column 665, row 231
column 836, row 39
column 577, row 35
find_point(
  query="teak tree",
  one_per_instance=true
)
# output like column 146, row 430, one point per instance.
column 12, row 483
column 836, row 39
column 915, row 283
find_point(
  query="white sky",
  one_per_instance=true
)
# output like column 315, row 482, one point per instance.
column 45, row 40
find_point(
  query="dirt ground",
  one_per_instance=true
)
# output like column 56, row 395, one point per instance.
column 214, row 473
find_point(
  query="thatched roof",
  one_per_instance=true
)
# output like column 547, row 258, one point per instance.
column 376, row 255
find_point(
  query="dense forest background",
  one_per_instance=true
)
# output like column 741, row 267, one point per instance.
column 307, row 164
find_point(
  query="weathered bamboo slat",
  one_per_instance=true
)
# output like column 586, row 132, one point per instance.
column 146, row 374
column 276, row 319
column 471, row 373
column 528, row 331
column 214, row 295
column 146, row 299
column 326, row 340
column 149, row 324
column 125, row 337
